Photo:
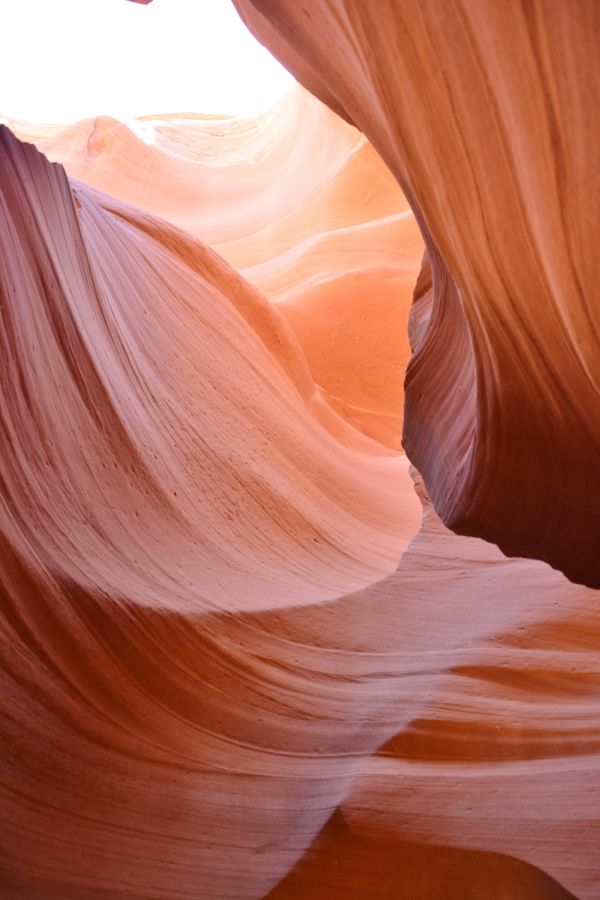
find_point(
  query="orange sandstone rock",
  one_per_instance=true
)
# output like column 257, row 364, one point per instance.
column 224, row 670
column 300, row 203
column 169, row 472
column 488, row 115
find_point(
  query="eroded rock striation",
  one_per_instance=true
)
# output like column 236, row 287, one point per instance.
column 241, row 655
column 488, row 114
column 299, row 202
column 169, row 473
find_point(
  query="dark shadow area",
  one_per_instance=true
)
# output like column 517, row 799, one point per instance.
column 341, row 865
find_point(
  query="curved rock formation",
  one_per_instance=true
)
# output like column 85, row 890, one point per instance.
column 191, row 707
column 230, row 667
column 488, row 115
column 170, row 473
column 300, row 203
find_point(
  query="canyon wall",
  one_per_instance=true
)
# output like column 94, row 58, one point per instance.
column 241, row 654
column 299, row 202
column 173, row 487
column 488, row 114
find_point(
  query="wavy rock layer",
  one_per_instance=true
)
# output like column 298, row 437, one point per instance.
column 173, row 485
column 215, row 679
column 193, row 704
column 300, row 203
column 488, row 114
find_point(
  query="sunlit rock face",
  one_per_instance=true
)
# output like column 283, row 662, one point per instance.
column 488, row 114
column 173, row 487
column 241, row 656
column 300, row 203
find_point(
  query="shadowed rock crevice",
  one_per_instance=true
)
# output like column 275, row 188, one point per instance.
column 488, row 115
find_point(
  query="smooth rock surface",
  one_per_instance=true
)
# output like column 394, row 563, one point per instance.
column 488, row 114
column 240, row 655
column 301, row 205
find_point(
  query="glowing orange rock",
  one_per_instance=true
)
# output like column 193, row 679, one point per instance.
column 489, row 116
column 296, row 200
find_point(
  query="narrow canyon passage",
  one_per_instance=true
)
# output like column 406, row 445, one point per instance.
column 241, row 654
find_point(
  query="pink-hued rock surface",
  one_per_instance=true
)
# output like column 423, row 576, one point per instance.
column 241, row 656
column 488, row 114
column 302, row 206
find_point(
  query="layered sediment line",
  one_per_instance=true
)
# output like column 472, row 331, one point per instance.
column 299, row 203
column 488, row 116
column 209, row 687
column 169, row 469
column 193, row 703
column 240, row 655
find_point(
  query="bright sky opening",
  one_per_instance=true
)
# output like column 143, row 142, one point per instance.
column 66, row 60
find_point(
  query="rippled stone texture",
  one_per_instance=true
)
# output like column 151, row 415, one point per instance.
column 229, row 666
column 193, row 703
column 488, row 114
column 299, row 202
column 169, row 471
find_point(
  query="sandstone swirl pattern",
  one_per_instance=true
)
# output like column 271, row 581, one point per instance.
column 172, row 486
column 488, row 114
column 299, row 202
column 240, row 654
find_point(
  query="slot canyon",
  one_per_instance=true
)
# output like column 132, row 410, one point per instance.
column 300, row 471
